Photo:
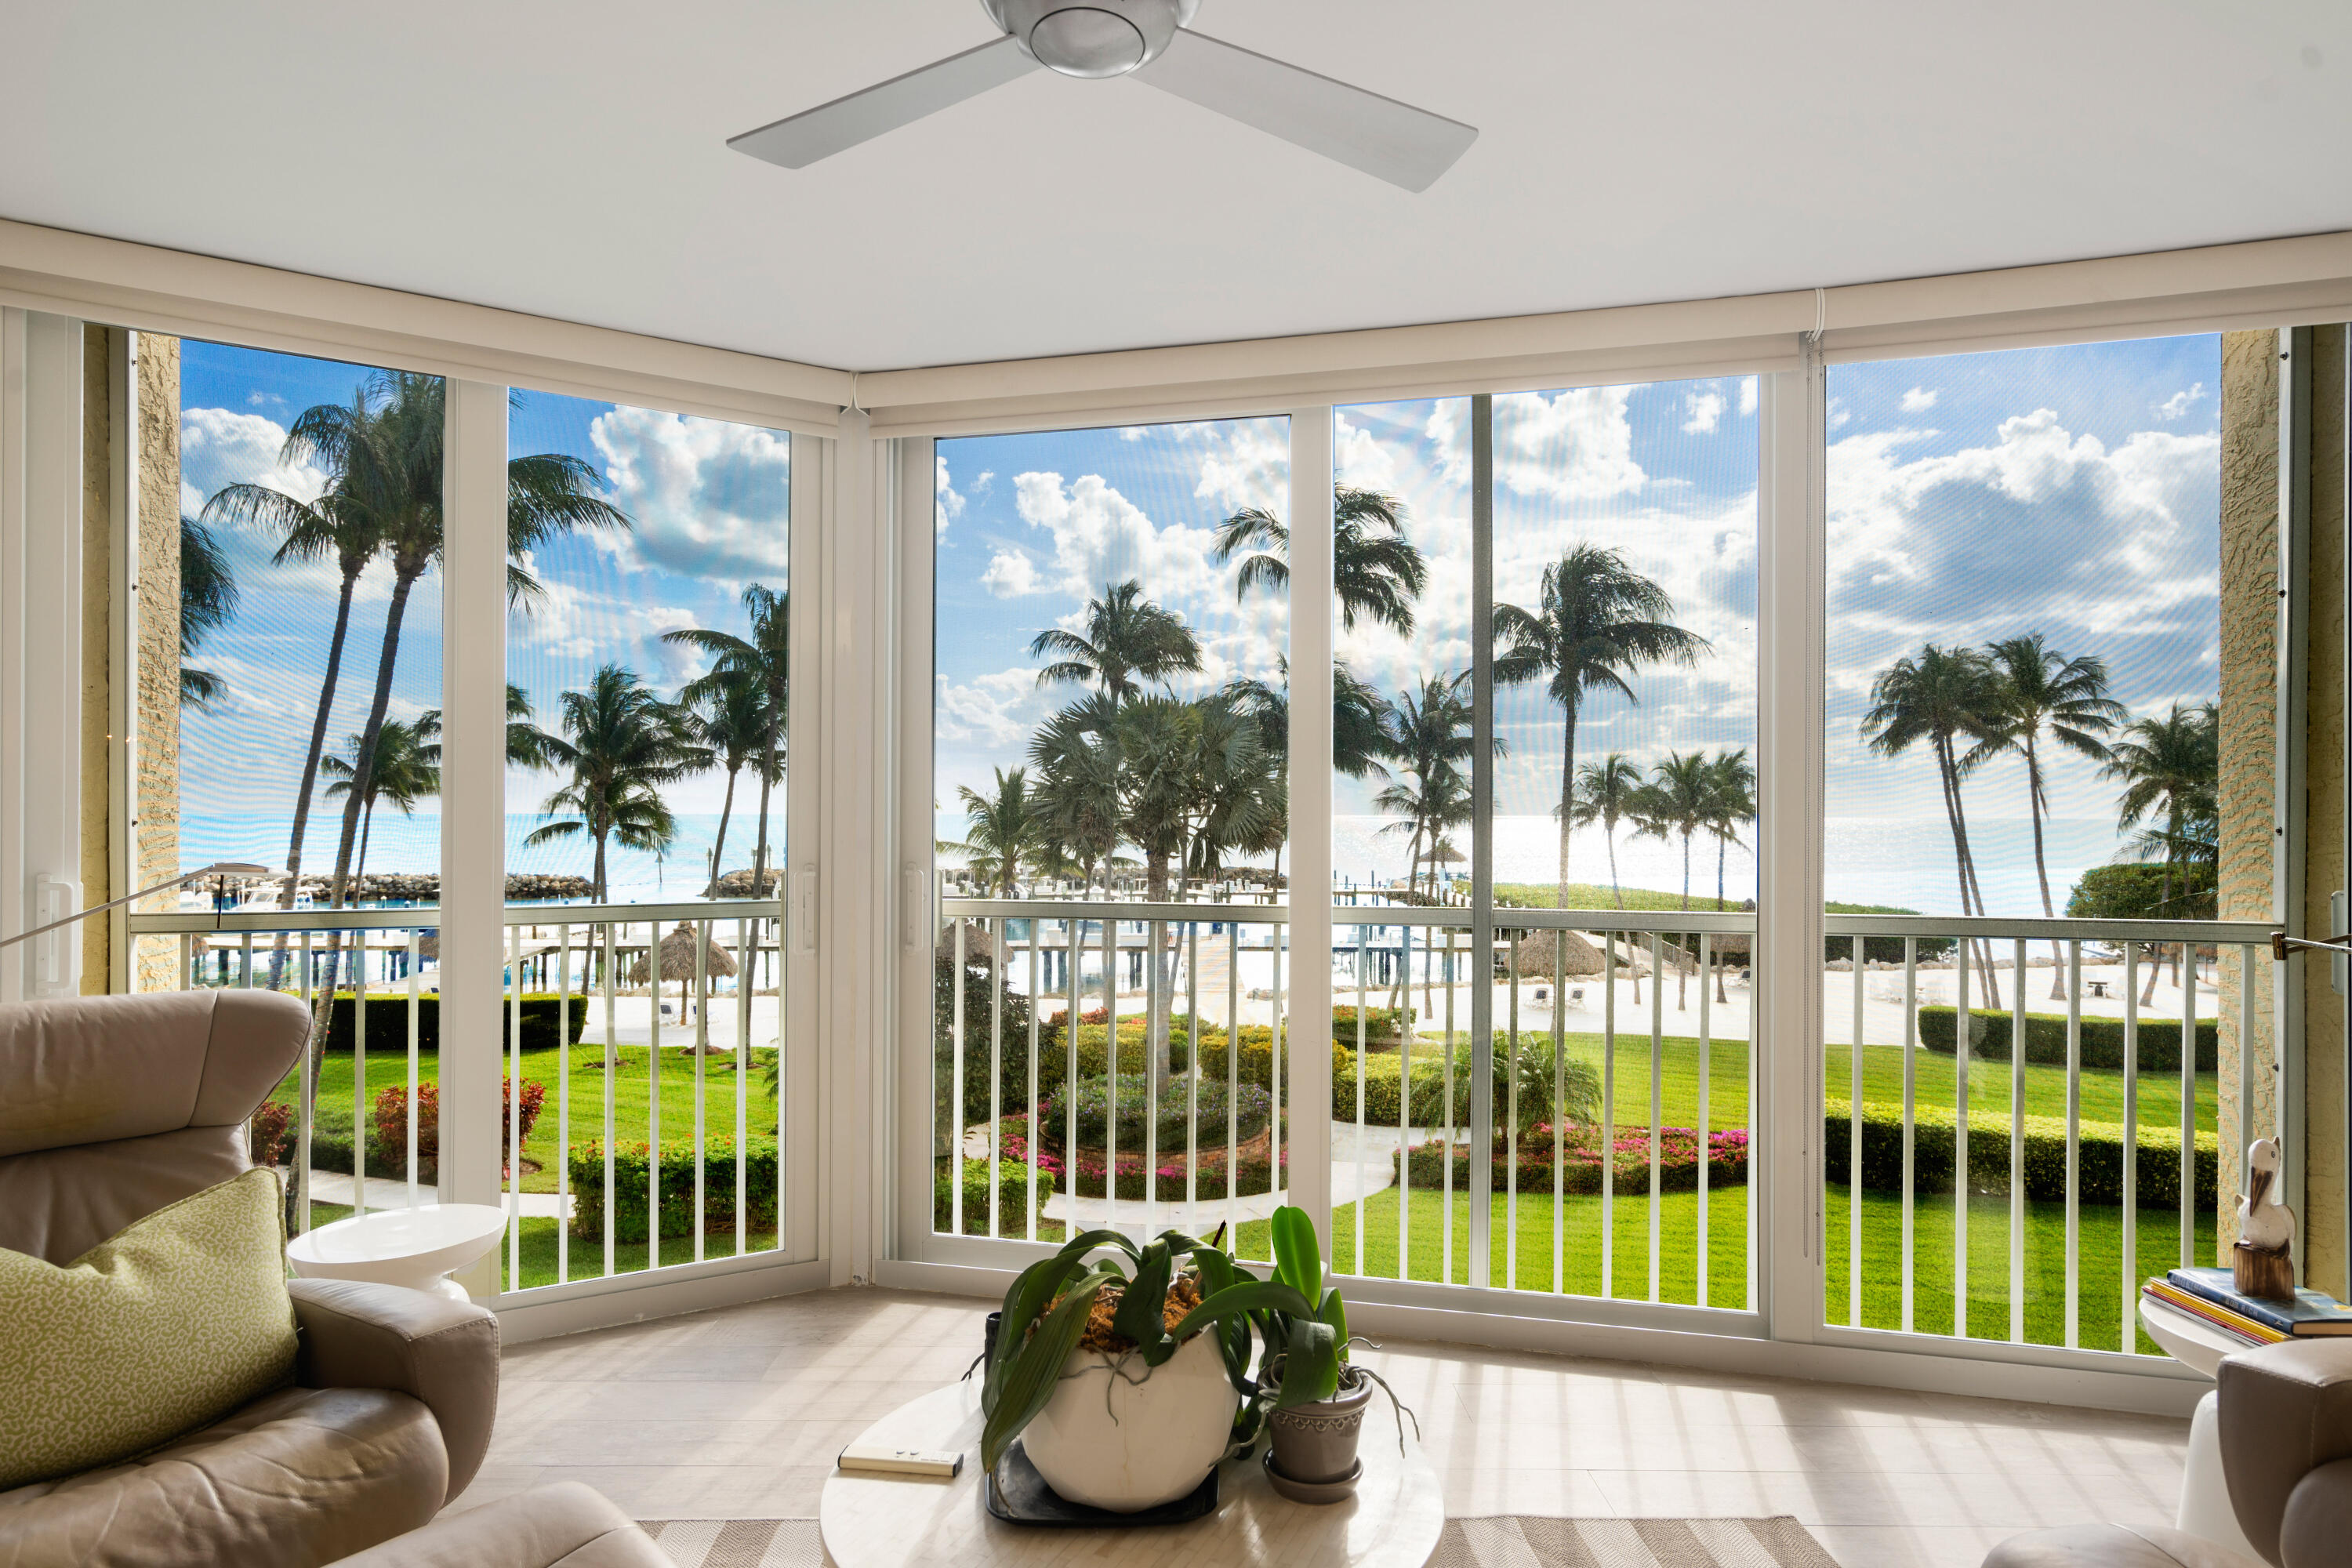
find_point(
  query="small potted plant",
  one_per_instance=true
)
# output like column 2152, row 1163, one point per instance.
column 1126, row 1374
column 1316, row 1397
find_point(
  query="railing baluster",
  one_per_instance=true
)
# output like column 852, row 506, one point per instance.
column 2017, row 1041
column 1607, row 1108
column 1963, row 1027
column 2075, row 1144
column 654, row 1098
column 1511, row 1167
column 1234, row 1080
column 2188, row 1102
column 514, row 1098
column 1657, row 1098
column 701, row 930
column 1154, row 1060
column 563, row 1104
column 747, row 970
column 244, row 963
column 1910, row 1096
column 1276, row 937
column 1451, row 1126
column 415, row 1035
column 995, row 929
column 611, row 1076
column 1035, row 1120
column 955, row 1082
column 2130, row 1249
column 1406, row 1029
column 1074, row 930
column 358, row 1077
column 1705, row 1128
column 1193, row 1077
column 308, row 1098
column 1363, row 1072
column 1853, row 1141
column 1110, row 1081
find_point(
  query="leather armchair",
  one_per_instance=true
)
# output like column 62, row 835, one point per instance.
column 111, row 1108
column 2286, row 1452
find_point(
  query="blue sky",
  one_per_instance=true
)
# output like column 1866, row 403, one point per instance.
column 711, row 506
column 2070, row 491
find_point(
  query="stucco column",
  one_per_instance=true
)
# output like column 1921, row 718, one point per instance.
column 157, row 821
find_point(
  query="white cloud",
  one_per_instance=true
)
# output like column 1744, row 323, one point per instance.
column 2178, row 406
column 1920, row 399
column 1359, row 458
column 947, row 505
column 1000, row 709
column 1099, row 536
column 219, row 447
column 1010, row 573
column 1747, row 395
column 710, row 498
column 982, row 481
column 1576, row 445
column 1705, row 410
column 1838, row 412
column 1134, row 432
column 1246, row 463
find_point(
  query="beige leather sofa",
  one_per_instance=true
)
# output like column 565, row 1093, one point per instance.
column 113, row 1107
column 2286, row 1452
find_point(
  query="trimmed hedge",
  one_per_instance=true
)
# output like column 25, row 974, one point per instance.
column 387, row 1022
column 1012, row 1197
column 630, row 1161
column 2045, row 1039
column 1253, row 1169
column 2101, row 1146
column 1678, row 1161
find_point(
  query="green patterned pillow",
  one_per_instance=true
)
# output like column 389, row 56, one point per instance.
column 169, row 1324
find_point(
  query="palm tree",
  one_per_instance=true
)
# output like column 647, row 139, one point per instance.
column 1361, row 718
column 1945, row 697
column 1157, row 740
column 525, row 746
column 1731, row 805
column 334, row 525
column 2170, row 769
column 1128, row 640
column 1605, row 792
column 728, row 716
column 1376, row 572
column 1238, row 803
column 1076, row 794
column 385, row 453
column 1432, row 739
column 1005, row 827
column 764, row 658
column 407, row 770
column 1599, row 622
column 1679, row 801
column 208, row 600
column 2045, row 690
column 622, row 743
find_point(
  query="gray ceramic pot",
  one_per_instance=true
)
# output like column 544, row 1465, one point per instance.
column 1316, row 1444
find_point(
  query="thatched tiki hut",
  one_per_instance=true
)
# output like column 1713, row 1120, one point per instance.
column 1540, row 952
column 678, row 964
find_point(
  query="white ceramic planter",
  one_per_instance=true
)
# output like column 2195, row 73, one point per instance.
column 1150, row 1444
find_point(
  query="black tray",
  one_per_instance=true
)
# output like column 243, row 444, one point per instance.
column 1017, row 1494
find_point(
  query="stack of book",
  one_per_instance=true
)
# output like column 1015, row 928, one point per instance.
column 2210, row 1296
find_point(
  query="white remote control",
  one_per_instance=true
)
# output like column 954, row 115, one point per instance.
column 882, row 1458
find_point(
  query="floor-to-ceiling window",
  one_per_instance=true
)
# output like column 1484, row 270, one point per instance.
column 1610, row 1157
column 2026, row 721
column 1110, row 736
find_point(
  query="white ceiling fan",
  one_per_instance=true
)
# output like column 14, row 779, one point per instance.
column 1148, row 40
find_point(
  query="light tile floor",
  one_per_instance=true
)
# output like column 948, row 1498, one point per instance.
column 739, row 1413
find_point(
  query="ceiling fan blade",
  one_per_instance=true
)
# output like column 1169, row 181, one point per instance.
column 1391, row 141
column 801, row 139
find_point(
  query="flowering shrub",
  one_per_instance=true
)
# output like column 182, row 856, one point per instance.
column 1253, row 1168
column 390, row 1115
column 1250, row 1107
column 273, row 1129
column 1580, row 1159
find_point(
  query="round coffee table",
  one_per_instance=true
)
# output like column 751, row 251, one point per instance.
column 417, row 1248
column 889, row 1521
column 2204, row 1510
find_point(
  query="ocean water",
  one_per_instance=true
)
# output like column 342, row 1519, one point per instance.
column 1907, row 862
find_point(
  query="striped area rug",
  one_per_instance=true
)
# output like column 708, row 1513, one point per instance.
column 1506, row 1540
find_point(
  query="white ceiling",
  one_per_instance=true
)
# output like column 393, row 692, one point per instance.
column 567, row 158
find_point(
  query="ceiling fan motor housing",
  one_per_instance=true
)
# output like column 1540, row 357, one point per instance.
column 1093, row 37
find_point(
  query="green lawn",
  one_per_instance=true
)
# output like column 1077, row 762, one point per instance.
column 632, row 1095
column 2100, row 1286
column 1934, row 1077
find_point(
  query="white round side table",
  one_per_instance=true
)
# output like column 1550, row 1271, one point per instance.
column 2205, row 1509
column 894, row 1521
column 418, row 1248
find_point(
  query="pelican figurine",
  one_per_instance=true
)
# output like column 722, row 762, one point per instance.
column 2264, row 1252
